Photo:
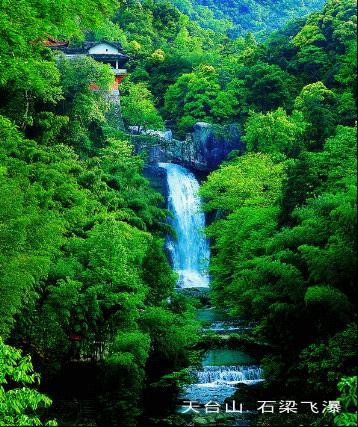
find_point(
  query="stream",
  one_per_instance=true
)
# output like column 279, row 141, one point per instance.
column 222, row 370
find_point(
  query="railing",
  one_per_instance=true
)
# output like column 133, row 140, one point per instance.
column 119, row 71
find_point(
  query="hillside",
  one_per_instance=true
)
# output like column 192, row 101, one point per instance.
column 241, row 16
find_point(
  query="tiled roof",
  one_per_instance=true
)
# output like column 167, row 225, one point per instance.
column 51, row 42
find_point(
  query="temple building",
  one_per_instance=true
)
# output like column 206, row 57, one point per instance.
column 106, row 52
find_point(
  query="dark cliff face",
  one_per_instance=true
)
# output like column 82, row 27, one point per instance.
column 212, row 145
column 202, row 151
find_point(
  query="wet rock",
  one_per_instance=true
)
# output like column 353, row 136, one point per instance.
column 202, row 151
column 212, row 144
column 200, row 421
column 212, row 419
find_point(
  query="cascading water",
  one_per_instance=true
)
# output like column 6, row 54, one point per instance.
column 190, row 257
column 190, row 250
column 229, row 374
column 219, row 382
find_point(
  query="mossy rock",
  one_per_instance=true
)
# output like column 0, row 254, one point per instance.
column 212, row 419
column 200, row 421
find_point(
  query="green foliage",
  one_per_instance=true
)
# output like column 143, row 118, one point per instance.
column 84, row 110
column 193, row 97
column 83, row 272
column 190, row 69
column 284, row 235
column 326, row 44
column 30, row 235
column 318, row 106
column 19, row 402
column 326, row 361
column 252, row 180
column 157, row 274
column 138, row 108
column 81, row 230
column 347, row 386
column 207, row 95
column 327, row 296
column 28, row 75
column 169, row 341
column 277, row 274
column 269, row 87
column 275, row 132
column 239, row 17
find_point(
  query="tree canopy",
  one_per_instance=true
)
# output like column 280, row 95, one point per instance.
column 85, row 279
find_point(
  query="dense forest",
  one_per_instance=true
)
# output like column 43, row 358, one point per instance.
column 86, row 285
column 237, row 17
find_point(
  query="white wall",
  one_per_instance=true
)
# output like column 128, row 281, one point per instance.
column 103, row 48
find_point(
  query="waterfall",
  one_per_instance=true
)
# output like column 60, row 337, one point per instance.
column 228, row 374
column 190, row 254
column 217, row 383
column 190, row 249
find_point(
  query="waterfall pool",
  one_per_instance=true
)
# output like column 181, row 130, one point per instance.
column 226, row 357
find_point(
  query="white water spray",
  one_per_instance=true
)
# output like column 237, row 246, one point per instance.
column 190, row 250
